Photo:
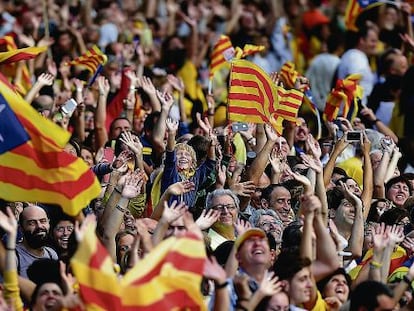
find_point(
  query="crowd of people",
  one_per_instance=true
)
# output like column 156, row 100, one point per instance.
column 303, row 220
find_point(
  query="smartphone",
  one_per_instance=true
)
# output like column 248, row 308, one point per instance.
column 353, row 136
column 339, row 131
column 239, row 126
column 69, row 107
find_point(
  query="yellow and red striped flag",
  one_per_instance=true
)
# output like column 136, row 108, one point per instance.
column 90, row 60
column 289, row 104
column 252, row 94
column 168, row 278
column 13, row 55
column 347, row 92
column 33, row 165
column 288, row 74
column 94, row 270
column 354, row 8
column 248, row 49
column 222, row 52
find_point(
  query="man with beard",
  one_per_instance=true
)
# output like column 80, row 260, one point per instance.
column 35, row 226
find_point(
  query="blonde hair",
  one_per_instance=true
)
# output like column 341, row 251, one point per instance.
column 188, row 148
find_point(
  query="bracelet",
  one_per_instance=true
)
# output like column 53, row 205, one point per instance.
column 79, row 89
column 210, row 114
column 251, row 138
column 101, row 94
column 375, row 264
column 120, row 208
column 242, row 299
column 132, row 88
column 220, row 286
column 375, row 121
column 10, row 248
column 406, row 280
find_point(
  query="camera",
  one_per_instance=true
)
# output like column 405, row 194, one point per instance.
column 353, row 136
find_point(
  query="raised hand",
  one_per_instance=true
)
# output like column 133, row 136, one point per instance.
column 132, row 141
column 349, row 195
column 45, row 79
column 133, row 184
column 270, row 133
column 166, row 100
column 408, row 245
column 181, row 187
column 173, row 212
column 148, row 86
column 241, row 226
column 120, row 162
column 213, row 271
column 8, row 222
column 314, row 146
column 207, row 218
column 270, row 284
column 244, row 189
column 176, row 82
column 172, row 125
column 204, row 124
column 380, row 237
column 313, row 163
column 80, row 229
column 103, row 85
column 395, row 233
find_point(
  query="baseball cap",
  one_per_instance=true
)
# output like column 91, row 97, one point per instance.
column 247, row 235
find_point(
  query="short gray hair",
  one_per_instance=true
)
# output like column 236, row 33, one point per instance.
column 255, row 217
column 219, row 193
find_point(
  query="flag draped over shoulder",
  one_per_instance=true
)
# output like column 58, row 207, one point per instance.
column 168, row 278
column 252, row 94
column 347, row 92
column 90, row 60
column 354, row 8
column 222, row 51
column 33, row 165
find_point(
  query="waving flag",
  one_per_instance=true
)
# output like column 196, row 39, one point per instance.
column 33, row 165
column 252, row 94
column 90, row 60
column 288, row 74
column 346, row 94
column 355, row 7
column 168, row 278
column 222, row 52
column 12, row 55
column 289, row 104
column 248, row 49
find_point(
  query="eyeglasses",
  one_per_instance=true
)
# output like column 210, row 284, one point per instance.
column 62, row 229
column 222, row 208
column 269, row 224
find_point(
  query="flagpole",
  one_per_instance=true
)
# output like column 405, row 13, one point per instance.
column 46, row 25
column 210, row 86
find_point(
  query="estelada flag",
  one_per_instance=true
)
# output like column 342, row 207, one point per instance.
column 90, row 60
column 222, row 52
column 167, row 278
column 355, row 7
column 252, row 94
column 33, row 165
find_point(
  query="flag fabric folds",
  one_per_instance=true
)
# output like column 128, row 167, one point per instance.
column 354, row 8
column 252, row 95
column 288, row 74
column 289, row 104
column 346, row 94
column 90, row 60
column 13, row 55
column 248, row 49
column 222, row 51
column 16, row 55
column 168, row 278
column 33, row 165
